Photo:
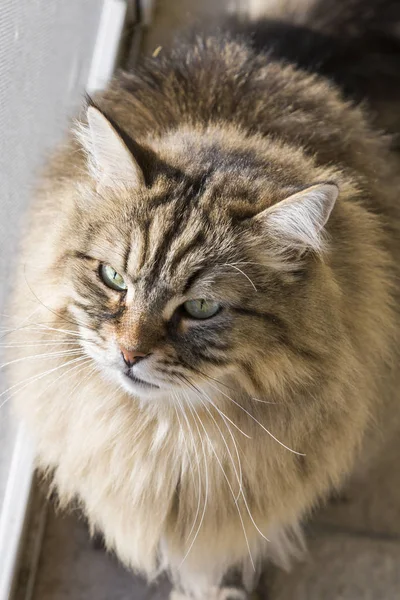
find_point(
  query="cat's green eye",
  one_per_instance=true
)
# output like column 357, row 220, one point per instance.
column 201, row 308
column 112, row 279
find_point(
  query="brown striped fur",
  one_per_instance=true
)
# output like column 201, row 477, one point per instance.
column 304, row 343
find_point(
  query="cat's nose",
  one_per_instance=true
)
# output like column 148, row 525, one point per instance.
column 131, row 357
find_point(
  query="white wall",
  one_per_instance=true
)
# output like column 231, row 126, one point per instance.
column 45, row 54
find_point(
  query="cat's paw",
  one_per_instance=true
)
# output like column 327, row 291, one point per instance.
column 225, row 593
column 230, row 593
column 174, row 595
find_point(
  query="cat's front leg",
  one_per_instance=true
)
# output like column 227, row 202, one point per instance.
column 221, row 593
column 234, row 585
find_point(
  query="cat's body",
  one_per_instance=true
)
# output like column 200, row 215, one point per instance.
column 294, row 369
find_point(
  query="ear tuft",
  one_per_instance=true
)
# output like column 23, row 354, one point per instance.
column 298, row 221
column 110, row 161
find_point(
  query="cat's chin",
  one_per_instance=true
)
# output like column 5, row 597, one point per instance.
column 141, row 389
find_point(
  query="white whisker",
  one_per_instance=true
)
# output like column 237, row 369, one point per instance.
column 258, row 422
column 228, row 419
column 46, row 355
column 242, row 272
column 39, row 343
column 229, row 485
column 34, row 378
column 184, row 438
column 241, row 491
column 80, row 366
column 264, row 401
column 206, row 492
column 80, row 382
column 239, row 475
column 42, row 328
column 199, row 488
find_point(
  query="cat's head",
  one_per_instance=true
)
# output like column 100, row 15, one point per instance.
column 201, row 265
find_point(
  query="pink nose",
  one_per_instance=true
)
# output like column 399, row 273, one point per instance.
column 131, row 357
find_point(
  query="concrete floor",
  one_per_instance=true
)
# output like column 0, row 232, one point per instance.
column 354, row 544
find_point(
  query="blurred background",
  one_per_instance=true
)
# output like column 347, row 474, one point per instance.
column 51, row 52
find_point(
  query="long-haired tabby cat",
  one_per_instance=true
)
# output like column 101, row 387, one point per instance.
column 206, row 309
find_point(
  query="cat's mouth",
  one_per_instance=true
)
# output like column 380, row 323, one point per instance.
column 140, row 382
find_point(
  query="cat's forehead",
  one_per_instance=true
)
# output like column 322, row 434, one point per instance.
column 205, row 196
column 169, row 234
column 190, row 212
column 175, row 237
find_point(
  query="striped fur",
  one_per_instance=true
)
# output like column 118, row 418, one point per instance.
column 254, row 415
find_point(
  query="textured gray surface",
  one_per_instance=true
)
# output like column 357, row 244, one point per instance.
column 343, row 567
column 71, row 569
column 45, row 54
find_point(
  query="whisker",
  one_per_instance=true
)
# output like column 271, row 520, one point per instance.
column 243, row 273
column 206, row 492
column 241, row 492
column 40, row 327
column 57, row 314
column 46, row 355
column 34, row 378
column 46, row 327
column 239, row 476
column 198, row 472
column 80, row 382
column 258, row 422
column 248, row 262
column 264, row 401
column 80, row 367
column 183, row 436
column 23, row 320
column 228, row 482
column 228, row 387
column 40, row 343
column 218, row 409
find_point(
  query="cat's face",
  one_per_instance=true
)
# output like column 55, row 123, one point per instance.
column 187, row 284
column 163, row 299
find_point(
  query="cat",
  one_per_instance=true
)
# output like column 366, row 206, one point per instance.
column 206, row 323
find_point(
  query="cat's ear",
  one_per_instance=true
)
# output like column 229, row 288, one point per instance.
column 298, row 221
column 111, row 163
